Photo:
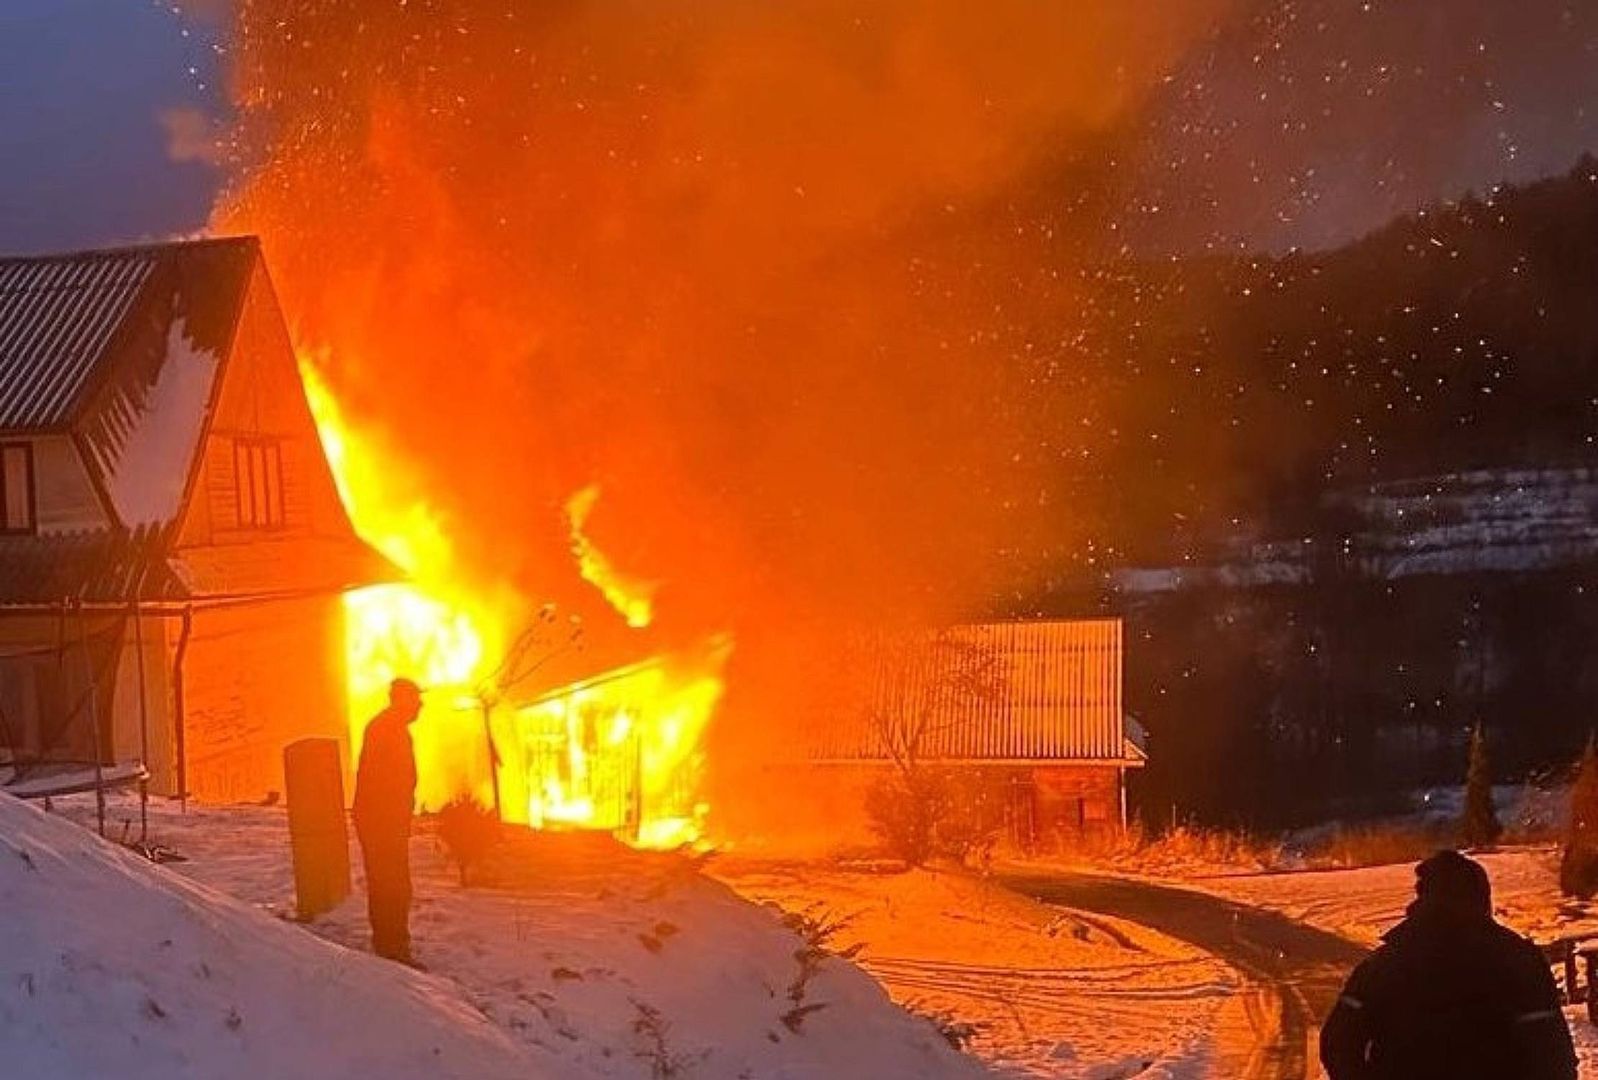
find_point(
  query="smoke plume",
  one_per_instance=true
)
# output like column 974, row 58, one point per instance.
column 733, row 263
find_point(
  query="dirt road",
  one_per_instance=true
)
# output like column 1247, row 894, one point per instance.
column 1297, row 969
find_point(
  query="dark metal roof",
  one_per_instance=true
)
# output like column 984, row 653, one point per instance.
column 61, row 316
column 91, row 567
column 56, row 318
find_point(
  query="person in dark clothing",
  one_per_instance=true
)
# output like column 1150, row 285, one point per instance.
column 1450, row 994
column 385, row 797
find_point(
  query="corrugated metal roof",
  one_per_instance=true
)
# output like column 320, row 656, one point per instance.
column 1053, row 694
column 91, row 567
column 58, row 315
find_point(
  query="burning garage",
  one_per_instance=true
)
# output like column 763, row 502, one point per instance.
column 174, row 551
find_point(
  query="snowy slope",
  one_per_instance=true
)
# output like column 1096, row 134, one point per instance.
column 617, row 964
column 1049, row 992
column 111, row 966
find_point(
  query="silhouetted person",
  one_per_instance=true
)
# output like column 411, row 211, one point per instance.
column 385, row 796
column 1450, row 994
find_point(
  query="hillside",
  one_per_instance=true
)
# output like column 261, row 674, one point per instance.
column 112, row 966
column 1221, row 395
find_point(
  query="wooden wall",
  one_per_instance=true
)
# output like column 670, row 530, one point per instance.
column 261, row 396
column 257, row 677
column 1072, row 799
column 34, row 641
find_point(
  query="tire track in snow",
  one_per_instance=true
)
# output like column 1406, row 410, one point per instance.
column 1298, row 968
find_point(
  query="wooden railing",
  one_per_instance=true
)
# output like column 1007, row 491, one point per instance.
column 1576, row 960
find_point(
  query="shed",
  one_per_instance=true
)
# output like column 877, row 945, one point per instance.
column 1049, row 728
column 172, row 545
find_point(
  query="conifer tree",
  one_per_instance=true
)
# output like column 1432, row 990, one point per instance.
column 1578, row 869
column 1481, row 826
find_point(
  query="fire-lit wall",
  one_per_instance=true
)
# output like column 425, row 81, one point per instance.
column 255, row 678
column 1070, row 800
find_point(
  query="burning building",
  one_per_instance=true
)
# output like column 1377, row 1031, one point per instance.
column 173, row 552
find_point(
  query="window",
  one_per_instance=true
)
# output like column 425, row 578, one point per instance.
column 258, row 477
column 16, row 488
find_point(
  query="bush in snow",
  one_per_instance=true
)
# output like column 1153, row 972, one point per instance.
column 468, row 832
column 903, row 811
column 1578, row 869
column 935, row 813
column 1481, row 826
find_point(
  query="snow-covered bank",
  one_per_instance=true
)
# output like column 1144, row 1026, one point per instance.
column 111, row 966
column 1362, row 904
column 1048, row 992
column 625, row 967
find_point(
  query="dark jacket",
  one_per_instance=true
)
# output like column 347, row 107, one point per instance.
column 385, row 781
column 1449, row 995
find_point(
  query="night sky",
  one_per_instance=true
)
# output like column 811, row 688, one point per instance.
column 84, row 151
column 1299, row 123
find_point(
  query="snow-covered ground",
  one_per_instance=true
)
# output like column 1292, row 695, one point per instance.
column 111, row 966
column 1049, row 992
column 1364, row 903
column 621, row 966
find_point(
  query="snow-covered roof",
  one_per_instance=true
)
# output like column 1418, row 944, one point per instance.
column 58, row 316
column 124, row 351
column 65, row 320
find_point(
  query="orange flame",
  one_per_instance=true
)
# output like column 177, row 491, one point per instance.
column 632, row 597
column 621, row 752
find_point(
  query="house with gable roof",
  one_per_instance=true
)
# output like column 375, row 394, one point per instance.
column 173, row 550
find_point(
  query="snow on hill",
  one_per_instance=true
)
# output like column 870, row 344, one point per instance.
column 111, row 966
column 1043, row 991
column 596, row 960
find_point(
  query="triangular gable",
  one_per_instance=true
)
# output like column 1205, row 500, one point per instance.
column 143, row 424
column 149, row 365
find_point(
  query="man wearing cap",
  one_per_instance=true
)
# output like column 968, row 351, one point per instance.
column 385, row 798
column 1450, row 993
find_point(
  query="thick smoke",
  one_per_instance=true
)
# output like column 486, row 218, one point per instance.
column 733, row 262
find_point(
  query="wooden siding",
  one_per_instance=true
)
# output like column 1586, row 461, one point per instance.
column 261, row 396
column 255, row 678
column 49, row 642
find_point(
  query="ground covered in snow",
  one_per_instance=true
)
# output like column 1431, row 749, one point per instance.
column 587, row 960
column 1364, row 903
column 1044, row 991
column 112, row 966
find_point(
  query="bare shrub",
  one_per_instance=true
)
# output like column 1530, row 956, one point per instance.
column 1377, row 845
column 468, row 833
column 936, row 813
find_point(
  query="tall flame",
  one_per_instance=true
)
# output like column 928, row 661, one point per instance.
column 632, row 597
column 621, row 752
